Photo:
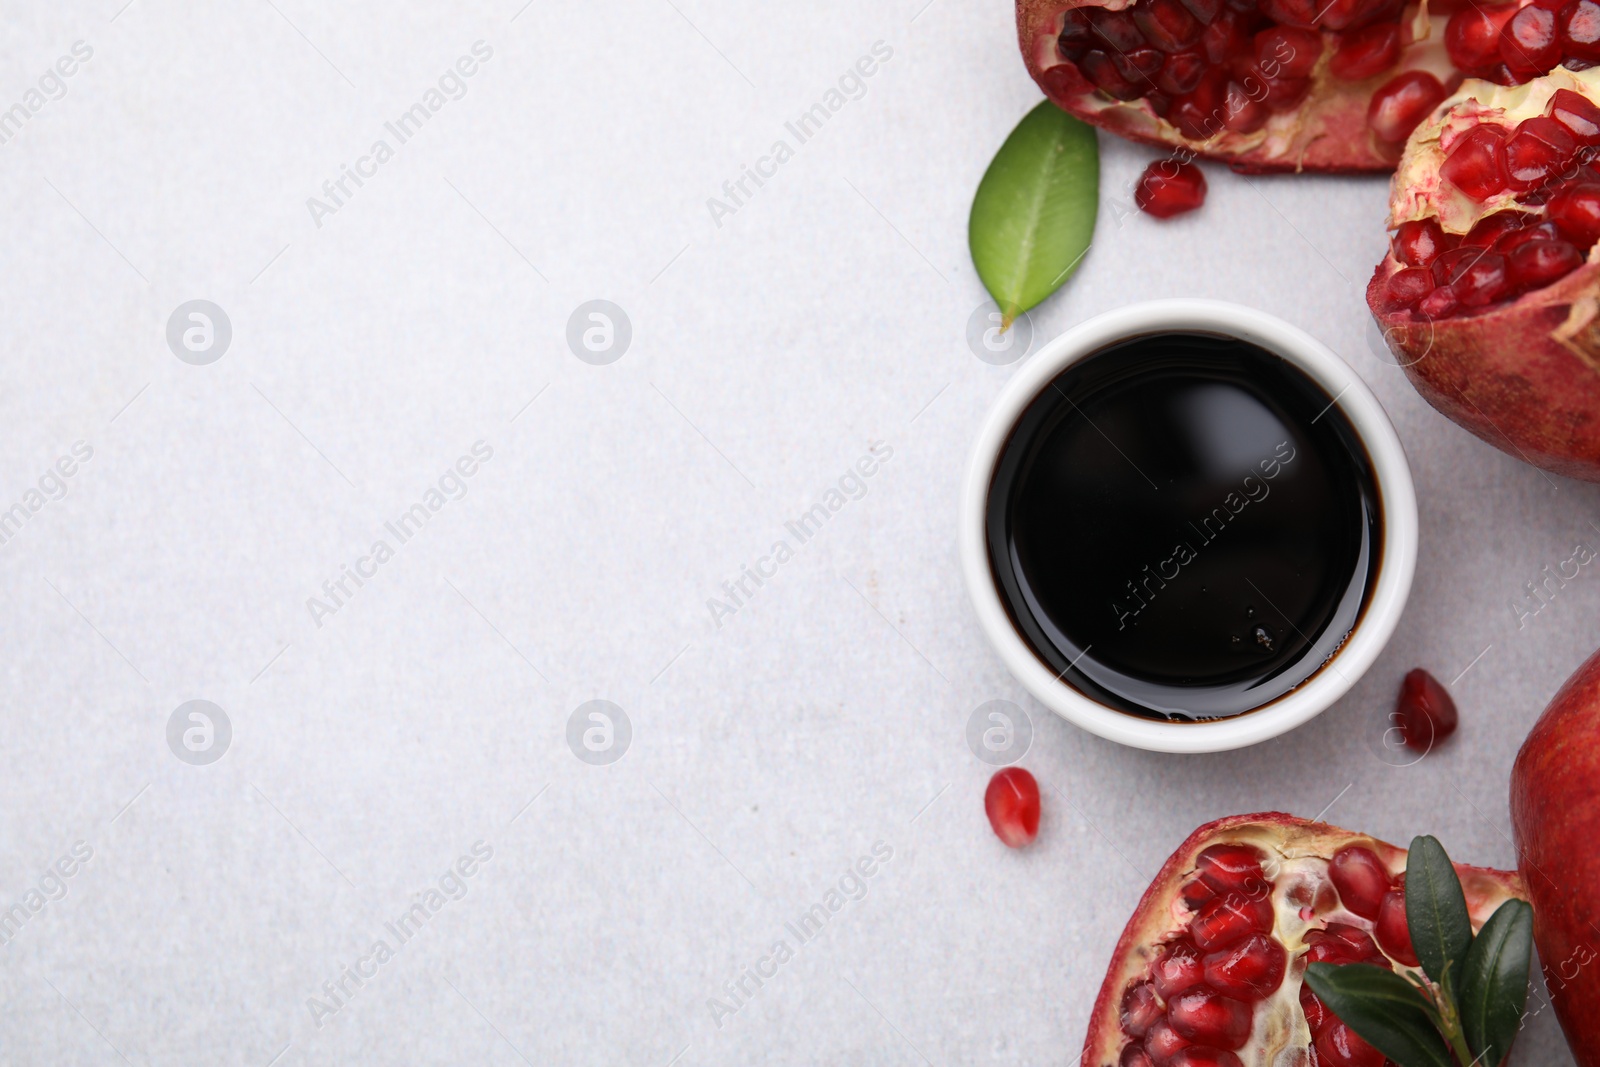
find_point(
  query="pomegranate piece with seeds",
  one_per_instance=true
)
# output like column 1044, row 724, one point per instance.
column 1168, row 188
column 1320, row 84
column 1169, row 1000
column 1507, row 342
column 1012, row 804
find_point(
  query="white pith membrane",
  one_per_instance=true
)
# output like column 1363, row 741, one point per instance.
column 1295, row 858
column 1287, row 134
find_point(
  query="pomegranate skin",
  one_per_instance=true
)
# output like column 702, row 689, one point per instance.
column 1555, row 816
column 1153, row 919
column 1331, row 137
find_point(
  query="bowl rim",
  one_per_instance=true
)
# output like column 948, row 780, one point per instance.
column 1397, row 556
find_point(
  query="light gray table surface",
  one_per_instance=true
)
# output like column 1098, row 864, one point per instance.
column 771, row 346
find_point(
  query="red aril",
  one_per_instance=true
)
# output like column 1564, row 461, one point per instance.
column 1476, row 164
column 1300, row 13
column 1181, row 72
column 1536, row 264
column 1490, row 230
column 1392, row 930
column 1012, row 804
column 1472, row 36
column 1361, row 879
column 1439, row 304
column 1418, row 243
column 1575, row 210
column 1249, row 971
column 1406, row 287
column 1483, row 281
column 1578, row 26
column 1285, row 52
column 1425, row 714
column 1169, row 188
column 1167, row 24
column 1117, row 30
column 1107, row 74
column 1402, row 103
column 1528, row 43
column 1578, row 114
column 1367, row 53
column 1538, row 151
column 1339, row 1046
column 1246, row 999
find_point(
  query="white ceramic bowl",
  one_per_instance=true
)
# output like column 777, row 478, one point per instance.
column 1397, row 553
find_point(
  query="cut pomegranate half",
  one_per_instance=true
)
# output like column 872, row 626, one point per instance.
column 1289, row 84
column 1209, row 968
column 1490, row 293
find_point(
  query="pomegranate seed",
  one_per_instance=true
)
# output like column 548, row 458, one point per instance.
column 1472, row 36
column 1242, row 114
column 1293, row 51
column 1476, row 165
column 1204, row 10
column 1135, row 1056
column 1195, row 893
column 1512, row 240
column 1528, row 43
column 1491, row 228
column 1353, row 14
column 1401, row 103
column 1425, row 713
column 1250, row 971
column 1536, row 264
column 1075, row 34
column 1484, row 281
column 1405, row 287
column 1229, row 919
column 1206, row 1057
column 1452, row 264
column 1578, row 24
column 1317, row 1013
column 1140, row 1009
column 1104, row 72
column 1285, row 94
column 1339, row 1046
column 1206, row 1017
column 1139, row 65
column 1367, row 53
column 1360, row 877
column 1232, row 869
column 1012, row 803
column 1391, row 929
column 1181, row 72
column 1163, row 1043
column 1358, row 939
column 1168, row 188
column 1117, row 29
column 1225, row 38
column 1159, row 102
column 1177, row 969
column 1198, row 115
column 1580, row 116
column 1439, row 304
column 1327, row 946
column 1539, row 149
column 1301, row 13
column 1167, row 24
column 1575, row 209
column 1419, row 242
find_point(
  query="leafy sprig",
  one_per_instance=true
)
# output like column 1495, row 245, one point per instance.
column 1466, row 1006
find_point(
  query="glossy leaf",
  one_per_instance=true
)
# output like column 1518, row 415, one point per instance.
column 1494, row 982
column 1033, row 215
column 1436, row 910
column 1388, row 1012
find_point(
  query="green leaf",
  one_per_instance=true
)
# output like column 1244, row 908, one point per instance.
column 1388, row 1012
column 1494, row 984
column 1033, row 215
column 1436, row 909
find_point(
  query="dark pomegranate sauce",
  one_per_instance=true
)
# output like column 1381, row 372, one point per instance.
column 1184, row 526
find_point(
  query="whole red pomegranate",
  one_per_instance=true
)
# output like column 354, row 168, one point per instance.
column 1208, row 970
column 1555, row 813
column 1288, row 84
column 1488, row 294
